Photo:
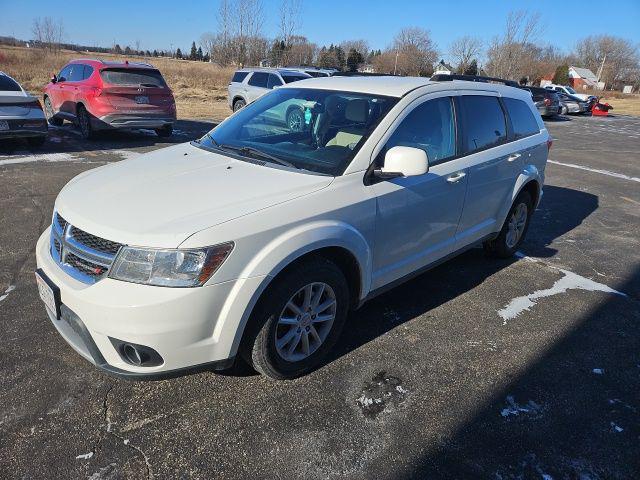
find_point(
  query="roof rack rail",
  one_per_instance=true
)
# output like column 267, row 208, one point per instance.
column 363, row 74
column 445, row 77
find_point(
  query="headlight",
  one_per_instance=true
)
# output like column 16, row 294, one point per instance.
column 169, row 267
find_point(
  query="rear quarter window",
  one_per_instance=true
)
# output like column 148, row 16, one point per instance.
column 8, row 84
column 522, row 120
column 259, row 79
column 238, row 77
column 484, row 122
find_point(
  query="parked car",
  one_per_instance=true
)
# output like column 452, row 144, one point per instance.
column 21, row 114
column 547, row 101
column 571, row 104
column 102, row 95
column 569, row 91
column 255, row 243
column 249, row 84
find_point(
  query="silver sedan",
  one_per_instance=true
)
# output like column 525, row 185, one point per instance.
column 21, row 114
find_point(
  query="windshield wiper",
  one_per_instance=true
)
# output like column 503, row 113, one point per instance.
column 251, row 151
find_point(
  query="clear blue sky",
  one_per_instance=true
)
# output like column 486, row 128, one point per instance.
column 161, row 23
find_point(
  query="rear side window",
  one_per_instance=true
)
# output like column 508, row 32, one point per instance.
column 64, row 73
column 292, row 78
column 522, row 120
column 274, row 81
column 132, row 76
column 238, row 77
column 484, row 122
column 259, row 79
column 8, row 84
column 77, row 72
column 87, row 72
column 429, row 127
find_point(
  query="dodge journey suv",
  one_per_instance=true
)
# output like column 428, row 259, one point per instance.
column 99, row 95
column 256, row 240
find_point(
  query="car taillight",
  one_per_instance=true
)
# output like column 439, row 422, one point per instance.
column 547, row 101
column 549, row 144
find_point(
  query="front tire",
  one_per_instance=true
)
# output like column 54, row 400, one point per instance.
column 298, row 320
column 514, row 230
column 238, row 104
column 49, row 113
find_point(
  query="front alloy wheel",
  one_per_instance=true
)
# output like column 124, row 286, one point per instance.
column 298, row 320
column 295, row 120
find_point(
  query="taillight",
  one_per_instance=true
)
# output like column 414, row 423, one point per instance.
column 547, row 101
column 549, row 143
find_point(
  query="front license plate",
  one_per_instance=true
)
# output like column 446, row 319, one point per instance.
column 4, row 125
column 49, row 293
column 142, row 99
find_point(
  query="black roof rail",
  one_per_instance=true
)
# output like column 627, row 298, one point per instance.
column 363, row 74
column 444, row 77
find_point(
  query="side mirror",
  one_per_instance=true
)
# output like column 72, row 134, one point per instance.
column 403, row 162
column 54, row 78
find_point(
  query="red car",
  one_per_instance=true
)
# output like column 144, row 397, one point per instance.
column 99, row 95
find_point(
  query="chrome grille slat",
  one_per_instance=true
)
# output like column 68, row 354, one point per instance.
column 84, row 256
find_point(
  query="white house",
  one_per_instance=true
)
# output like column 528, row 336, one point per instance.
column 442, row 68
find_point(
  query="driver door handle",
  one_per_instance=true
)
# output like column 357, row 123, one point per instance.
column 514, row 156
column 456, row 177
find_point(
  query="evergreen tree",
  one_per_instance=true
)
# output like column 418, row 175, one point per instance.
column 127, row 50
column 199, row 54
column 561, row 77
column 117, row 49
column 194, row 52
column 354, row 59
column 155, row 53
column 472, row 69
column 179, row 53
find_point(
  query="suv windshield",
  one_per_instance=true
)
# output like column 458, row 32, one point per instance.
column 131, row 76
column 316, row 130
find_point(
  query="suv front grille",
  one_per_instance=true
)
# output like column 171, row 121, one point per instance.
column 82, row 255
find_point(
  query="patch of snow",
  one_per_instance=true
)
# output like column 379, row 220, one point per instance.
column 598, row 371
column 85, row 456
column 126, row 441
column 6, row 293
column 514, row 408
column 616, row 428
column 125, row 154
column 570, row 281
column 44, row 157
column 596, row 170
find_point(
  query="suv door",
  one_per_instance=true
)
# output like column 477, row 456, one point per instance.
column 257, row 85
column 494, row 165
column 72, row 88
column 417, row 217
column 57, row 91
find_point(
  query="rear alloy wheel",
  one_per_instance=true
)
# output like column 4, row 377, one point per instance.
column 298, row 320
column 165, row 131
column 238, row 104
column 84, row 122
column 295, row 120
column 514, row 229
column 49, row 113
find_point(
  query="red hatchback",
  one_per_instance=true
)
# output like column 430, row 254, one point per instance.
column 99, row 95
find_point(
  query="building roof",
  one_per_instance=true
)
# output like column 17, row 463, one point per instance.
column 584, row 73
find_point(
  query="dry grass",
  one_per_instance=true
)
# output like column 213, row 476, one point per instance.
column 200, row 88
column 622, row 103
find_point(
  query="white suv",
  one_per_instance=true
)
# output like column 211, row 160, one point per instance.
column 250, row 84
column 256, row 241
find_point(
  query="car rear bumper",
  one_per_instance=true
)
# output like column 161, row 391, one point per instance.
column 187, row 327
column 24, row 128
column 548, row 111
column 133, row 121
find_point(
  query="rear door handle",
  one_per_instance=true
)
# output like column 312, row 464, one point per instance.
column 456, row 177
column 514, row 156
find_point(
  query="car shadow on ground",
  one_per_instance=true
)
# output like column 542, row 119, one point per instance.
column 67, row 139
column 561, row 210
column 573, row 413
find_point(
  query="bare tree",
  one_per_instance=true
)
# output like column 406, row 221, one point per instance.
column 509, row 54
column 360, row 45
column 48, row 33
column 290, row 19
column 415, row 52
column 463, row 50
column 614, row 58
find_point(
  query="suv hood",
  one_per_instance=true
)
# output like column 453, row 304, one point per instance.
column 161, row 198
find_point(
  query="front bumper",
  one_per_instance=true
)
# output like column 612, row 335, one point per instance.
column 188, row 327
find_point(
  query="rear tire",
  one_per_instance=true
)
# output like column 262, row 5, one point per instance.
column 295, row 120
column 308, row 305
column 36, row 141
column 514, row 230
column 165, row 132
column 238, row 104
column 84, row 123
column 49, row 113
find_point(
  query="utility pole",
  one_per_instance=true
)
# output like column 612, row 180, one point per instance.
column 599, row 75
column 395, row 67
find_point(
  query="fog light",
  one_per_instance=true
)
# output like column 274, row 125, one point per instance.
column 137, row 355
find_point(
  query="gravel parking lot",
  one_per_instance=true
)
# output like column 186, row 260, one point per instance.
column 526, row 368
